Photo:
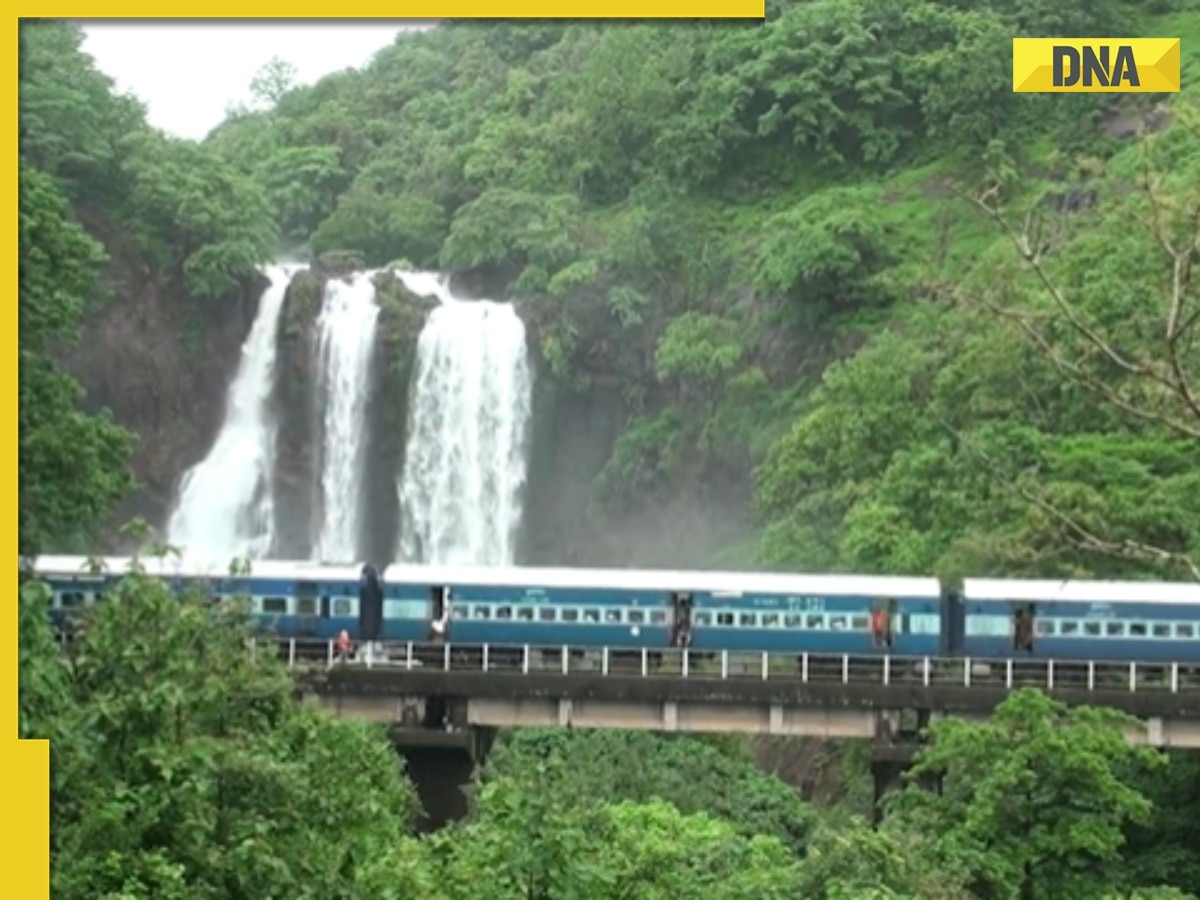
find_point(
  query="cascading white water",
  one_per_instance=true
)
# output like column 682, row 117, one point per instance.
column 464, row 466
column 225, row 508
column 345, row 346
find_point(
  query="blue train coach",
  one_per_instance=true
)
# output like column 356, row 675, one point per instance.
column 289, row 598
column 1087, row 620
column 657, row 609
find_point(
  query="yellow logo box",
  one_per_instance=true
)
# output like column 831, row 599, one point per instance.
column 1095, row 65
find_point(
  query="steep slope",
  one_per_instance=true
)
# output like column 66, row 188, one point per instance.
column 155, row 336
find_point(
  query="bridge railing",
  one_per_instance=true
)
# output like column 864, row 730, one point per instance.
column 804, row 668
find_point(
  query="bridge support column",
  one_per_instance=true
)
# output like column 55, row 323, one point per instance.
column 441, row 762
column 892, row 753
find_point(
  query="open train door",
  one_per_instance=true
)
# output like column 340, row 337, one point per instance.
column 370, row 604
column 439, row 614
column 883, row 622
column 1023, row 621
column 681, row 620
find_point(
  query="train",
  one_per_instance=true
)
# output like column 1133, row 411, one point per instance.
column 657, row 610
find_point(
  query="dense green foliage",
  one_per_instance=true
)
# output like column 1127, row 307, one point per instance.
column 71, row 466
column 709, row 215
column 187, row 212
column 98, row 188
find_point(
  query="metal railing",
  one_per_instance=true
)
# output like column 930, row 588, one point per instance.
column 723, row 665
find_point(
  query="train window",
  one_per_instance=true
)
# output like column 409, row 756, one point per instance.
column 1091, row 629
column 1184, row 630
column 274, row 606
column 341, row 607
column 748, row 620
column 612, row 616
column 792, row 621
column 482, row 611
column 635, row 616
column 814, row 622
column 591, row 615
column 702, row 618
column 459, row 610
column 570, row 615
column 725, row 618
column 524, row 613
column 770, row 620
column 1137, row 629
column 306, row 606
column 99, row 596
column 1068, row 627
column 1045, row 626
column 658, row 617
column 1162, row 630
column 1114, row 629
column 860, row 623
column 72, row 599
column 503, row 612
column 837, row 623
column 924, row 623
column 547, row 614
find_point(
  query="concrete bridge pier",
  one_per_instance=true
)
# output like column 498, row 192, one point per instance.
column 895, row 747
column 442, row 756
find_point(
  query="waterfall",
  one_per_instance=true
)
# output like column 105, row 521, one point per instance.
column 225, row 507
column 464, row 465
column 346, row 342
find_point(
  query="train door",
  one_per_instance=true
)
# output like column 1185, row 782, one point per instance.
column 952, row 621
column 883, row 622
column 370, row 605
column 1023, row 620
column 439, row 613
column 681, row 620
column 308, row 609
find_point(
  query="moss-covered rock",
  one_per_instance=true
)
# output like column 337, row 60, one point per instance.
column 296, row 407
column 338, row 264
column 402, row 315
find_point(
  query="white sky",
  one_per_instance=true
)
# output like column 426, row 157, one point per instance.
column 187, row 73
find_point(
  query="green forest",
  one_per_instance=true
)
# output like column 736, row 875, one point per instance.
column 917, row 323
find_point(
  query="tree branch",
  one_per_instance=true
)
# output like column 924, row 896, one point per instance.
column 1082, row 537
column 1165, row 221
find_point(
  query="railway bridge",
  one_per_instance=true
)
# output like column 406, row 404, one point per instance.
column 445, row 702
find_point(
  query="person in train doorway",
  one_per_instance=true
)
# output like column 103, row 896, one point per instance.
column 1023, row 630
column 343, row 646
column 879, row 627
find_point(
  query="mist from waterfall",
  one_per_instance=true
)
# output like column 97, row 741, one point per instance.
column 345, row 345
column 225, row 507
column 464, row 468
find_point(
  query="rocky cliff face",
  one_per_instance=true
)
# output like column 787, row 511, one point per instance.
column 297, row 407
column 162, row 362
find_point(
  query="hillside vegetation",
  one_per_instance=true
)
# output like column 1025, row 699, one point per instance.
column 149, row 242
column 784, row 246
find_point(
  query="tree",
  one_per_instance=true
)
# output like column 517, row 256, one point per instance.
column 1115, row 309
column 188, row 768
column 1034, row 802
column 532, row 842
column 273, row 79
column 57, row 278
column 639, row 767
